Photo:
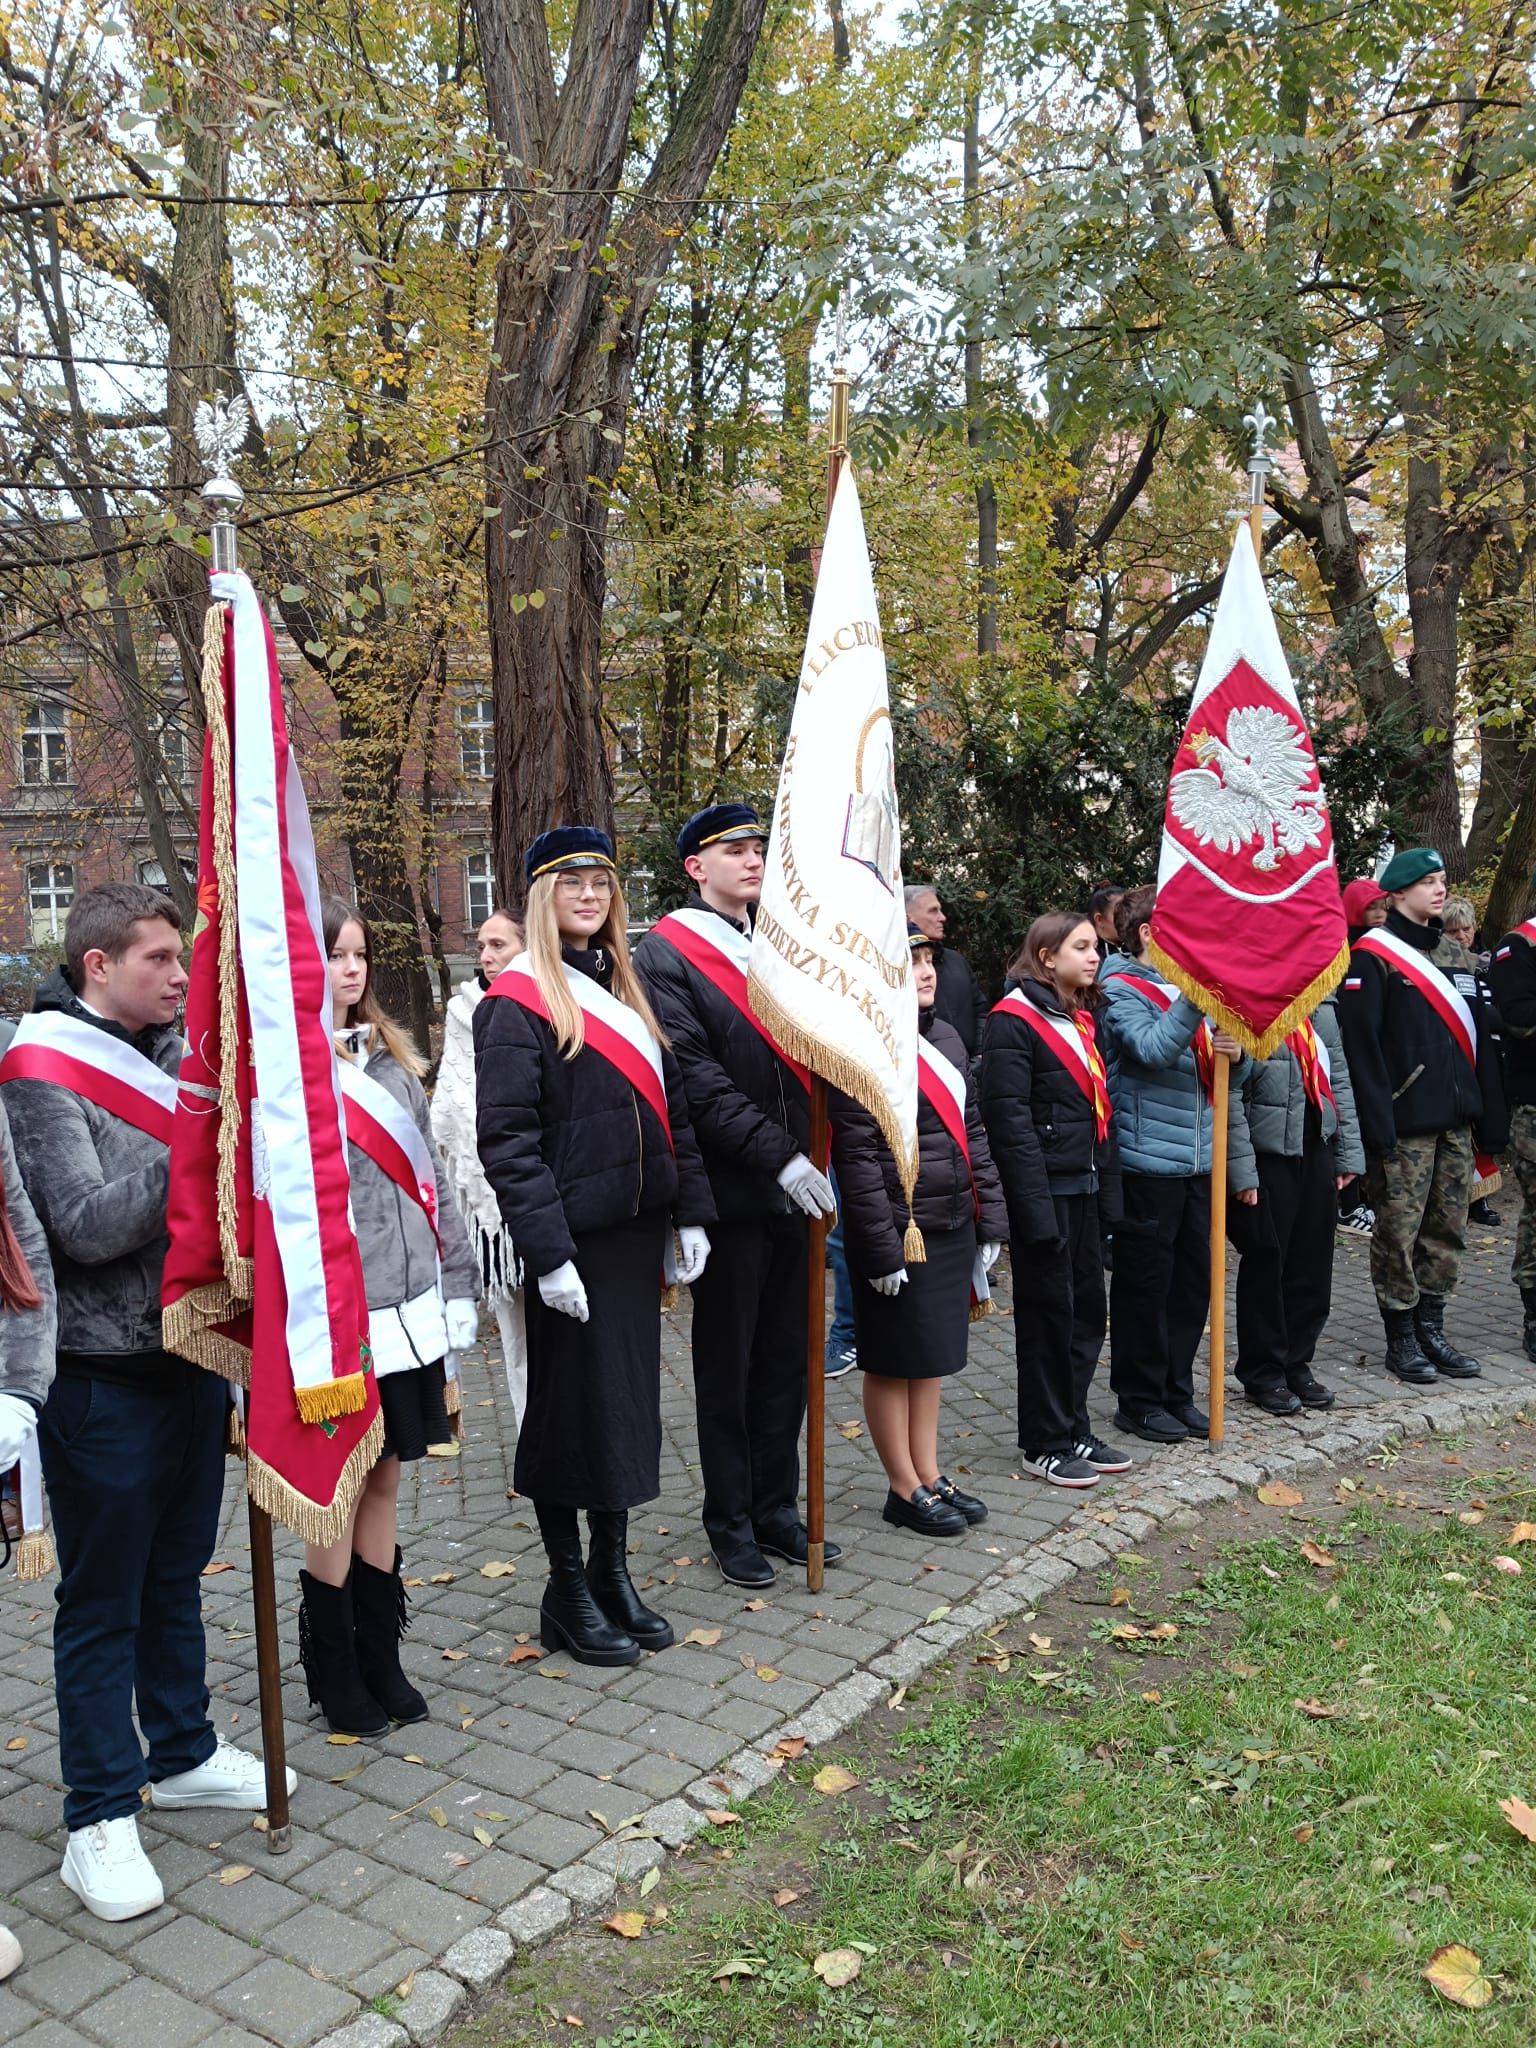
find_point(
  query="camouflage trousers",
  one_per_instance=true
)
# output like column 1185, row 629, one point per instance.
column 1420, row 1195
column 1522, row 1153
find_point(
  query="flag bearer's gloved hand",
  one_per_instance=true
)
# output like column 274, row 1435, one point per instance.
column 692, row 1251
column 990, row 1254
column 463, row 1319
column 811, row 1189
column 18, row 1421
column 562, row 1290
column 889, row 1283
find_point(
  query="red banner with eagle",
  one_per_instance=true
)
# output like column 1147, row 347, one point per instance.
column 1249, row 920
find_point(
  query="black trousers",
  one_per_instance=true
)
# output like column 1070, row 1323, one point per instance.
column 1058, row 1326
column 1159, row 1289
column 135, row 1478
column 1285, row 1272
column 749, row 1376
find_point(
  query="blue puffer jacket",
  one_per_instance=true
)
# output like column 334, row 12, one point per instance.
column 1162, row 1117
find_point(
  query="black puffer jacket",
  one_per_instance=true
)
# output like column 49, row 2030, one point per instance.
column 750, row 1115
column 1410, row 1078
column 874, row 1209
column 1040, row 1123
column 1512, row 977
column 567, row 1145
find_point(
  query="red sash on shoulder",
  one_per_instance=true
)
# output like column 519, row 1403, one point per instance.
column 942, row 1087
column 98, row 1065
column 380, row 1126
column 1311, row 1055
column 613, row 1031
column 1205, row 1050
column 1075, row 1045
column 724, row 966
column 1442, row 995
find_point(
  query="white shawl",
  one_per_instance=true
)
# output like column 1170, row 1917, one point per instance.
column 453, row 1126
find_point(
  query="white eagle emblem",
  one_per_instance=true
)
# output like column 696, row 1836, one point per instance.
column 1259, row 783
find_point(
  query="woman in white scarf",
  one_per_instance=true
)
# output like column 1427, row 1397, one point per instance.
column 499, row 940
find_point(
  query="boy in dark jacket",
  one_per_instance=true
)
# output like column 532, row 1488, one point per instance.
column 1512, row 977
column 751, row 1116
column 1420, row 1038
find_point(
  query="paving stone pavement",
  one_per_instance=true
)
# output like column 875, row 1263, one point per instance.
column 538, row 1787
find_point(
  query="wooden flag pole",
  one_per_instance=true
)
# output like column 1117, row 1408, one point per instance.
column 224, row 496
column 816, row 1278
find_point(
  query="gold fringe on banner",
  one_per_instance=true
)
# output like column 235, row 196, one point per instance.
column 1259, row 1043
column 34, row 1556
column 1489, row 1186
column 308, row 1520
column 234, row 1434
column 980, row 1310
column 323, row 1403
column 838, row 1071
column 230, row 1050
column 188, row 1329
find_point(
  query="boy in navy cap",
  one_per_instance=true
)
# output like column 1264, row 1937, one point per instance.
column 1420, row 1039
column 751, row 1115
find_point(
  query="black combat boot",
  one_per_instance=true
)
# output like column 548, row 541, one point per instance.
column 1405, row 1361
column 569, row 1617
column 380, row 1613
column 612, row 1587
column 1429, row 1321
column 1528, row 1298
column 328, row 1652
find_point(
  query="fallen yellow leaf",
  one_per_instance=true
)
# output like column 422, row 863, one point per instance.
column 235, row 1873
column 630, row 1925
column 1523, row 1532
column 443, row 1578
column 767, row 1674
column 341, row 1741
column 1041, row 1643
column 1314, row 1553
column 785, row 1896
column 497, row 1568
column 838, row 1966
column 1120, row 1597
column 17, row 1742
column 406, row 1985
column 211, row 1571
column 1315, row 1710
column 1457, row 1974
column 737, row 1967
column 706, row 1638
column 850, row 1430
column 525, row 1653
column 789, row 1746
column 753, row 1606
column 454, row 1656
column 436, row 1815
column 832, row 1779
column 1520, row 1817
column 722, row 1817
column 649, row 1882
column 1276, row 1494
column 482, row 1836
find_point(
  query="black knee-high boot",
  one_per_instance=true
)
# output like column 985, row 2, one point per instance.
column 328, row 1652
column 569, row 1617
column 379, row 1607
column 612, row 1587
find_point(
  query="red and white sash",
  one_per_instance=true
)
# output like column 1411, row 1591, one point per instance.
column 1437, row 989
column 720, row 952
column 1075, row 1047
column 1312, row 1057
column 53, row 1046
column 942, row 1086
column 384, row 1129
column 613, row 1030
column 1162, row 999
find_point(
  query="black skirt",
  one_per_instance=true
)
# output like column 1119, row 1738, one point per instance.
column 591, row 1437
column 415, row 1413
column 922, row 1331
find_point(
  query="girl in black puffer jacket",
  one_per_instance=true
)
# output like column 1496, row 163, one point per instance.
column 913, row 1322
column 1045, row 1101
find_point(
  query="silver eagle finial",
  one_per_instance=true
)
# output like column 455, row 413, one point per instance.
column 220, row 426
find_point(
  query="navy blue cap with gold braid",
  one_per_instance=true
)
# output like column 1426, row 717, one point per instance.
column 917, row 937
column 717, row 822
column 568, row 846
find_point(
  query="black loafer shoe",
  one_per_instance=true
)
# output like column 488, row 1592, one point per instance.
column 1311, row 1392
column 1273, row 1400
column 974, row 1510
column 924, row 1512
column 1157, row 1426
column 1194, row 1420
column 792, row 1544
column 745, row 1567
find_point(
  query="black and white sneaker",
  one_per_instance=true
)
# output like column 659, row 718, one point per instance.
column 840, row 1359
column 1062, row 1468
column 1101, row 1456
column 1359, row 1222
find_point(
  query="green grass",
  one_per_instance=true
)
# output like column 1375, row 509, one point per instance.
column 1070, row 1862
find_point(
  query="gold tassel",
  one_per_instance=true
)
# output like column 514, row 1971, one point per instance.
column 234, row 1434
column 669, row 1299
column 913, row 1250
column 1259, row 1044
column 323, row 1403
column 308, row 1520
column 980, row 1310
column 34, row 1555
column 453, row 1395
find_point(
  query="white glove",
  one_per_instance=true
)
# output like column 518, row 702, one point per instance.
column 990, row 1254
column 890, row 1283
column 18, row 1421
column 801, row 1181
column 463, row 1320
column 692, row 1251
column 562, row 1290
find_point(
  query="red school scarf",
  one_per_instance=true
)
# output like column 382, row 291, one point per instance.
column 1204, row 1046
column 1309, row 1055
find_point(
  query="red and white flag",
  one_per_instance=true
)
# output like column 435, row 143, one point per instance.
column 1249, row 920
column 263, row 1278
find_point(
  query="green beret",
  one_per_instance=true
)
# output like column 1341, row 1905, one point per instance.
column 1410, row 866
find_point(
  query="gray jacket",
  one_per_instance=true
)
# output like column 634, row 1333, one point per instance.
column 393, row 1234
column 1269, row 1110
column 99, row 1187
column 28, row 1335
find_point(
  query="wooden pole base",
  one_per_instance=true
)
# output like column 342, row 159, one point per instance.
column 269, row 1676
column 815, row 1566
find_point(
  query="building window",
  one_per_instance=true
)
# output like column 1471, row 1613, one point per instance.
column 50, row 892
column 476, row 725
column 174, row 736
column 152, row 873
column 479, row 890
column 45, row 759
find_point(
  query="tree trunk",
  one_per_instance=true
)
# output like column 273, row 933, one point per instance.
column 977, row 437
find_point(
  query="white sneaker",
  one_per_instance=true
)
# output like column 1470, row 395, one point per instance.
column 10, row 1954
column 230, row 1777
column 106, row 1869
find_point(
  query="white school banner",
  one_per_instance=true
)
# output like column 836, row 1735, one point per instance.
column 831, row 971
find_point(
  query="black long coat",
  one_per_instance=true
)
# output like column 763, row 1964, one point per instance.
column 1040, row 1123
column 567, row 1145
column 874, row 1209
